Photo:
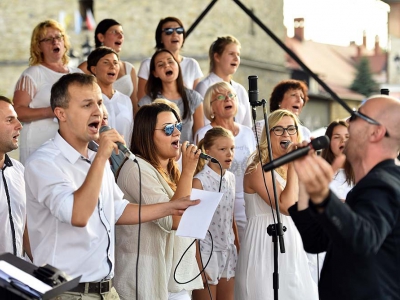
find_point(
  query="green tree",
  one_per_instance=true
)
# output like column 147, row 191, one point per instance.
column 363, row 82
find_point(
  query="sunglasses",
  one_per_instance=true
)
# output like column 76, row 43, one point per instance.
column 169, row 31
column 169, row 129
column 357, row 114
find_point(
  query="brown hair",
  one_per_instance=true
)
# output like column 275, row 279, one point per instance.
column 159, row 43
column 281, row 88
column 5, row 99
column 97, row 54
column 142, row 141
column 328, row 155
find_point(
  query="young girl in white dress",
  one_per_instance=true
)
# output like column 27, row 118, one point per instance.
column 255, row 265
column 220, row 144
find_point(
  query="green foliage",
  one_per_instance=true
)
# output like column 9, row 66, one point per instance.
column 363, row 82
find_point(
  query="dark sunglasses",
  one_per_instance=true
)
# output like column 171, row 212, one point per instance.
column 169, row 129
column 169, row 31
column 357, row 114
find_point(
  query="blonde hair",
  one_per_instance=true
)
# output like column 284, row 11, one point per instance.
column 273, row 119
column 36, row 57
column 219, row 87
column 209, row 140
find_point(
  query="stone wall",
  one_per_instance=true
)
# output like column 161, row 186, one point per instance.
column 261, row 56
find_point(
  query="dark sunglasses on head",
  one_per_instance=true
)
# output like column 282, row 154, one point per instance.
column 357, row 114
column 169, row 129
column 169, row 31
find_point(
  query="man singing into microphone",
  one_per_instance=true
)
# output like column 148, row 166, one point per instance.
column 361, row 236
column 72, row 199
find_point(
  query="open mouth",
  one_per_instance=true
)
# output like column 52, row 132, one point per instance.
column 228, row 107
column 341, row 148
column 56, row 50
column 175, row 41
column 118, row 43
column 175, row 144
column 285, row 144
column 112, row 74
column 169, row 73
column 94, row 126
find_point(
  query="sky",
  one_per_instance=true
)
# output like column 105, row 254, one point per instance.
column 339, row 22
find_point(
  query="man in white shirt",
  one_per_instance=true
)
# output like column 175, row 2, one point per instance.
column 13, row 236
column 72, row 199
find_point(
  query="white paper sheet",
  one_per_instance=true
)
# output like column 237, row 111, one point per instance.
column 196, row 219
column 25, row 278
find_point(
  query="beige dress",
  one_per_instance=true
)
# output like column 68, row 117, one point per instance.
column 160, row 249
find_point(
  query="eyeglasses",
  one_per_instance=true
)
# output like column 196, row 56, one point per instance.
column 50, row 40
column 279, row 130
column 169, row 129
column 357, row 114
column 221, row 97
column 169, row 31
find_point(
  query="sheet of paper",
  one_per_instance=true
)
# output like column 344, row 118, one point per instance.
column 196, row 219
column 25, row 278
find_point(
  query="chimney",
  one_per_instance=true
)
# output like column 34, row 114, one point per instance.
column 377, row 49
column 364, row 39
column 299, row 29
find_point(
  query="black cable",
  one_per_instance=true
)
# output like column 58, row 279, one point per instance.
column 140, row 227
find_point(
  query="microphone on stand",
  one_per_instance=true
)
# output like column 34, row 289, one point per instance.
column 253, row 90
column 316, row 144
column 121, row 146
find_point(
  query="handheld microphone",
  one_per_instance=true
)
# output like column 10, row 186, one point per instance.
column 121, row 146
column 316, row 144
column 205, row 156
column 253, row 90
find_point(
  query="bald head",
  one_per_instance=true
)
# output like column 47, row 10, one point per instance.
column 386, row 110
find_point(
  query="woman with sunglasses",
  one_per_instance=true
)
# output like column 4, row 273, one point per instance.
column 109, row 33
column 165, row 81
column 224, row 55
column 255, row 263
column 170, row 35
column 221, row 107
column 155, row 142
column 48, row 62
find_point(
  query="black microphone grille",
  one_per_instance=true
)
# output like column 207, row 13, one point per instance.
column 104, row 128
column 319, row 143
column 253, row 82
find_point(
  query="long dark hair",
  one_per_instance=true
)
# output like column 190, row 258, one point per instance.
column 154, row 85
column 329, row 156
column 142, row 142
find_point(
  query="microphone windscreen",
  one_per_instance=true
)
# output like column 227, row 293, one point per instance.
column 319, row 143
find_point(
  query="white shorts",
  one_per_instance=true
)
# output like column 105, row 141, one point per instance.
column 222, row 264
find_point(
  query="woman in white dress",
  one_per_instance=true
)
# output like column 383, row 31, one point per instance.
column 170, row 35
column 109, row 33
column 255, row 264
column 48, row 62
column 103, row 63
column 221, row 107
column 224, row 56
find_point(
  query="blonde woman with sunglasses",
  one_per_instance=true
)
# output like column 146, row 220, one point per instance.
column 156, row 143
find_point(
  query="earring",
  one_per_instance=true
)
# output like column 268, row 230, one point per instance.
column 101, row 44
column 279, row 105
column 212, row 116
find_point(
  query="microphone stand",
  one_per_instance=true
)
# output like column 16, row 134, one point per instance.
column 275, row 230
